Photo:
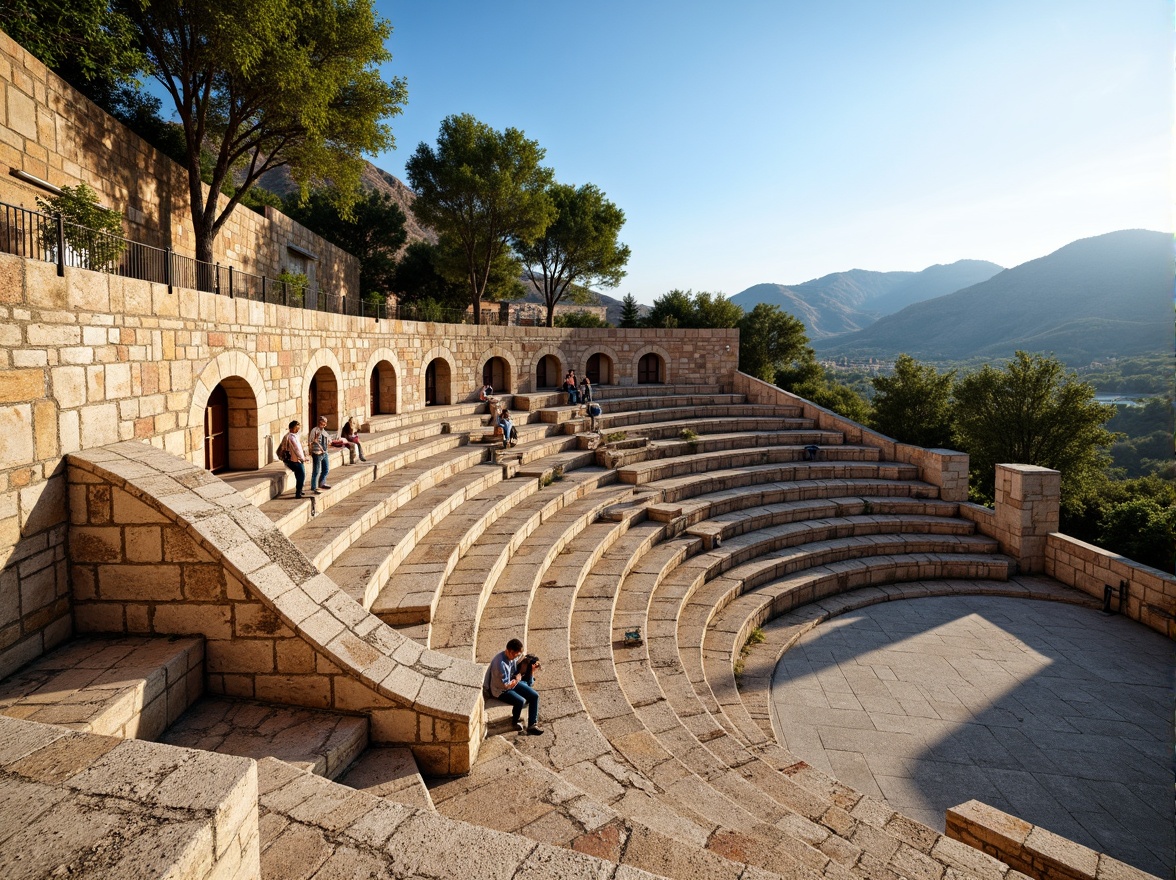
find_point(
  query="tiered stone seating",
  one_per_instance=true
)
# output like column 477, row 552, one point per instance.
column 653, row 759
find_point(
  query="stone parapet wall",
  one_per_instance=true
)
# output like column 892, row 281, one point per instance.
column 1030, row 849
column 159, row 546
column 87, row 806
column 49, row 130
column 91, row 359
column 1151, row 593
column 944, row 468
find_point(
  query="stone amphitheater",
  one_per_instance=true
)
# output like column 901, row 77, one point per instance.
column 205, row 677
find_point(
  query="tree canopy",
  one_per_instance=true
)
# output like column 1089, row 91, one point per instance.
column 913, row 404
column 92, row 38
column 480, row 189
column 578, row 249
column 1031, row 412
column 770, row 340
column 686, row 309
column 373, row 232
column 270, row 83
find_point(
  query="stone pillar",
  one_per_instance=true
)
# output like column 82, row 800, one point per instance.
column 1027, row 510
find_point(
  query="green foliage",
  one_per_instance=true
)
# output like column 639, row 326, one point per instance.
column 270, row 83
column 1031, row 412
column 372, row 231
column 771, row 340
column 296, row 285
column 688, row 435
column 90, row 37
column 416, row 279
column 93, row 234
column 480, row 189
column 1141, row 529
column 1146, row 374
column 615, row 436
column 913, row 404
column 580, row 319
column 630, row 312
column 579, row 246
column 686, row 309
column 258, row 198
column 834, row 396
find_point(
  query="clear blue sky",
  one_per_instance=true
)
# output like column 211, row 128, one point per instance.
column 754, row 142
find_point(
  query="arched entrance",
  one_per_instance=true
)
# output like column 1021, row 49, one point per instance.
column 322, row 399
column 382, row 389
column 547, row 372
column 599, row 369
column 230, row 427
column 650, row 369
column 496, row 372
column 437, row 383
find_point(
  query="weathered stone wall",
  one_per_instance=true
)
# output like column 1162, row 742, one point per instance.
column 49, row 130
column 159, row 546
column 90, row 359
column 1030, row 849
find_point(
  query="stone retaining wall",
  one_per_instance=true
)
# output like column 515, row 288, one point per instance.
column 944, row 468
column 159, row 546
column 49, row 130
column 90, row 359
column 1031, row 849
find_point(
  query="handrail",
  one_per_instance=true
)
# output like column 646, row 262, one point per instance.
column 50, row 238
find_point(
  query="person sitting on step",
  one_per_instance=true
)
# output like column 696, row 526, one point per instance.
column 350, row 436
column 569, row 388
column 512, row 680
column 510, row 434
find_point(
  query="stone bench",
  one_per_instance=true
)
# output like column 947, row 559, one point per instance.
column 127, row 686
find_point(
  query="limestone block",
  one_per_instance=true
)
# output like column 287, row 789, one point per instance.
column 16, row 436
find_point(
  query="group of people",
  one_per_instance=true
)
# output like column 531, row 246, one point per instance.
column 581, row 393
column 320, row 443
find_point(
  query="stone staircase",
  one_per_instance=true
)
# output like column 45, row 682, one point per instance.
column 656, row 757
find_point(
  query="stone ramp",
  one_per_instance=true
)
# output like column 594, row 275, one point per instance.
column 124, row 686
column 323, row 743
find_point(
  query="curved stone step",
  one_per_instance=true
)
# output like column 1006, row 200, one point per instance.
column 468, row 588
column 675, row 447
column 849, row 462
column 791, row 482
column 364, row 568
column 355, row 503
column 616, row 421
column 536, row 400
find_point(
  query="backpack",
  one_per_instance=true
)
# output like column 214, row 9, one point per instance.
column 284, row 449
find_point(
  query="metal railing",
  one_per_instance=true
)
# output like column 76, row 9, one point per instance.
column 50, row 238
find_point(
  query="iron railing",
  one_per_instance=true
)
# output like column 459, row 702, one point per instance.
column 52, row 239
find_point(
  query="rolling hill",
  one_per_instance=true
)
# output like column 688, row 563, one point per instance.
column 1106, row 296
column 846, row 301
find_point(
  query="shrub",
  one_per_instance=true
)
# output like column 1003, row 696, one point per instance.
column 93, row 234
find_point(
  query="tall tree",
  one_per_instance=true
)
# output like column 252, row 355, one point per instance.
column 416, row 279
column 630, row 312
column 770, row 340
column 90, row 38
column 1031, row 412
column 914, row 404
column 267, row 83
column 673, row 309
column 373, row 232
column 579, row 247
column 481, row 189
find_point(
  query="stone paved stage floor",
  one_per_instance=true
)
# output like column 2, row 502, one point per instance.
column 1051, row 712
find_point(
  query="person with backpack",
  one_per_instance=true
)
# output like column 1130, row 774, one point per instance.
column 320, row 448
column 291, row 455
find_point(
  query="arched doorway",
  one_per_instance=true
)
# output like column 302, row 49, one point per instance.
column 230, row 427
column 496, row 372
column 650, row 369
column 382, row 389
column 437, row 382
column 322, row 399
column 599, row 369
column 216, row 431
column 547, row 372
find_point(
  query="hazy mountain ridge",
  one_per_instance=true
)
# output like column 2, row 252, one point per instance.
column 843, row 302
column 1097, row 297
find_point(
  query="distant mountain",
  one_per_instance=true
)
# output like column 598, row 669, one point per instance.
column 1098, row 297
column 847, row 301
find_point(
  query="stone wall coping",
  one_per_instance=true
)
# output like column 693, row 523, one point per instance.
column 100, row 806
column 226, row 525
column 1031, row 849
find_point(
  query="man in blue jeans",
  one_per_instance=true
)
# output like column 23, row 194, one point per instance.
column 510, row 685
